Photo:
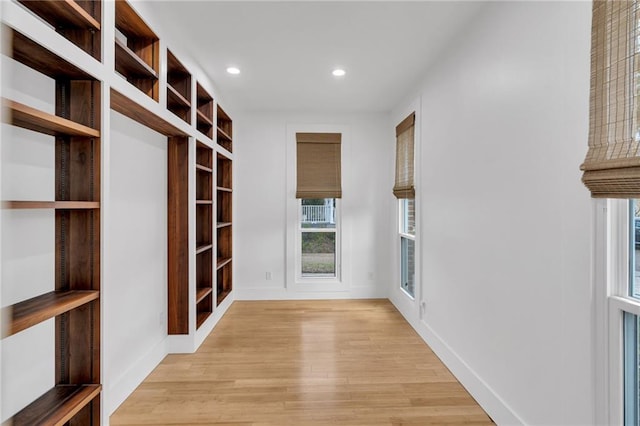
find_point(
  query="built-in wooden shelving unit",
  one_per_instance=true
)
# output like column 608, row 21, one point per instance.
column 199, row 218
column 224, row 192
column 204, row 232
column 78, row 21
column 137, row 50
column 75, row 301
column 225, row 130
column 204, row 112
column 178, row 88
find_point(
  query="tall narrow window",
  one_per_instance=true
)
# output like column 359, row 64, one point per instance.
column 318, row 187
column 404, row 190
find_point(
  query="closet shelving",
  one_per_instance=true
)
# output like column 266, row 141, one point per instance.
column 136, row 50
column 204, row 232
column 178, row 88
column 75, row 301
column 225, row 129
column 224, row 238
column 204, row 112
column 77, row 21
column 199, row 254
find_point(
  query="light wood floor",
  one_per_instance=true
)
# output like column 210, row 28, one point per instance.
column 304, row 363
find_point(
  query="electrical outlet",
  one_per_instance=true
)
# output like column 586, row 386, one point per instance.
column 267, row 276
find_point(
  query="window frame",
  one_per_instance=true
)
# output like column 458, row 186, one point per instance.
column 300, row 278
column 404, row 235
column 612, row 272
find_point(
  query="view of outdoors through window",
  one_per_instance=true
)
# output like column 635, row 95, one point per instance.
column 634, row 256
column 318, row 237
column 407, row 245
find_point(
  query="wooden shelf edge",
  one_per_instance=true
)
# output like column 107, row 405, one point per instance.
column 49, row 305
column 201, row 318
column 223, row 189
column 223, row 224
column 203, row 119
column 204, row 202
column 57, row 406
column 58, row 205
column 201, row 293
column 39, row 121
column 224, row 135
column 202, row 168
column 67, row 11
column 222, row 262
column 182, row 102
column 203, row 248
column 131, row 65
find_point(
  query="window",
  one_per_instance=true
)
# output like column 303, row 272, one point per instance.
column 404, row 190
column 317, row 237
column 318, row 188
column 407, row 245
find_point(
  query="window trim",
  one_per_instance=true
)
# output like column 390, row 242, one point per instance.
column 293, row 285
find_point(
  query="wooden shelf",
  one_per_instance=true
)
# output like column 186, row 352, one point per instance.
column 201, row 318
column 58, row 205
column 63, row 13
column 204, row 202
column 202, row 168
column 33, row 55
column 41, row 308
column 136, row 112
column 222, row 261
column 203, row 119
column 223, row 296
column 220, row 188
column 30, row 118
column 223, row 136
column 131, row 65
column 57, row 406
column 223, row 225
column 175, row 99
column 203, row 248
column 201, row 293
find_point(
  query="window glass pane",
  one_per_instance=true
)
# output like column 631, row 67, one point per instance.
column 631, row 391
column 318, row 213
column 407, row 265
column 318, row 254
column 634, row 255
column 408, row 216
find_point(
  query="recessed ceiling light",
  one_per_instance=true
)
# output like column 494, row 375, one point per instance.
column 338, row 72
column 233, row 70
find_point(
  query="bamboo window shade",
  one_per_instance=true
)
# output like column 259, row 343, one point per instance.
column 318, row 157
column 612, row 165
column 404, row 186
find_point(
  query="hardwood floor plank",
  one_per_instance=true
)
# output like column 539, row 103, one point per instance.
column 347, row 362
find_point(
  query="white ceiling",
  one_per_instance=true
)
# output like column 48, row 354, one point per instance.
column 287, row 50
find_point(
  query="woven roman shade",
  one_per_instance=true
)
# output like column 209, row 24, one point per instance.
column 404, row 186
column 612, row 165
column 318, row 165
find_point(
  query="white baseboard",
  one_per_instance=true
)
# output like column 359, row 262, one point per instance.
column 281, row 293
column 120, row 390
column 491, row 402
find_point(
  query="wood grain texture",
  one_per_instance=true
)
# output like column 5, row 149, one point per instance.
column 178, row 237
column 131, row 65
column 304, row 363
column 41, row 308
column 63, row 13
column 57, row 406
column 39, row 121
column 136, row 112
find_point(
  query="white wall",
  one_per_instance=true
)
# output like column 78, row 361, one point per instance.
column 135, row 285
column 505, row 223
column 260, row 171
column 28, row 239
